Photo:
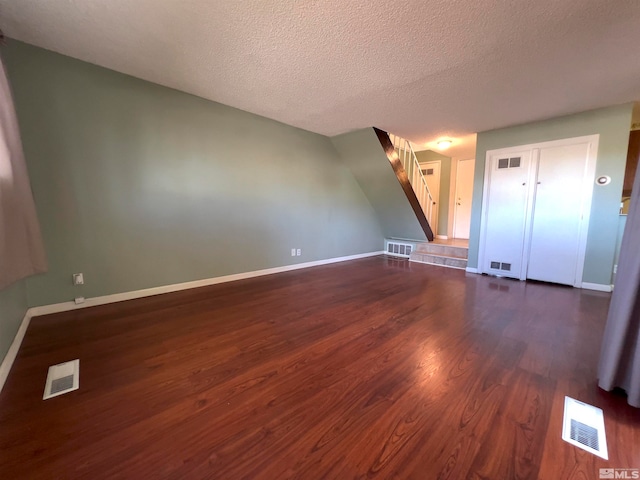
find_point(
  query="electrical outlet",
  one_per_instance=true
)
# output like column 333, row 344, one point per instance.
column 78, row 279
column 299, row 252
column 293, row 252
column 615, row 268
column 78, row 300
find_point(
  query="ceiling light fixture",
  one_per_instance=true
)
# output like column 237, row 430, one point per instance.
column 444, row 144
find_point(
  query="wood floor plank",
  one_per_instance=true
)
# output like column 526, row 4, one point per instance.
column 520, row 422
column 375, row 368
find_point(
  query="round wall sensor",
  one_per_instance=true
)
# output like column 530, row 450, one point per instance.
column 603, row 180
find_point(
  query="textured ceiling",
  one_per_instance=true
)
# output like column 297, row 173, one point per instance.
column 462, row 146
column 421, row 69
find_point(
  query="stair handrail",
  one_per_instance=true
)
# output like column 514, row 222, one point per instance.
column 410, row 163
column 403, row 178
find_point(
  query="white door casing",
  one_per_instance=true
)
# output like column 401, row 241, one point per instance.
column 556, row 213
column 463, row 198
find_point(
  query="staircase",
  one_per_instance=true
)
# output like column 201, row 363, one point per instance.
column 407, row 170
column 407, row 156
column 405, row 165
column 442, row 254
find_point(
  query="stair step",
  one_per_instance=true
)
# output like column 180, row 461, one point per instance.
column 441, row 260
column 443, row 250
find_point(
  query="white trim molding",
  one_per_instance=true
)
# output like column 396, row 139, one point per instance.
column 437, row 265
column 176, row 287
column 532, row 152
column 599, row 287
column 471, row 270
column 443, row 237
column 11, row 355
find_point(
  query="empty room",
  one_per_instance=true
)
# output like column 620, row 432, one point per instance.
column 271, row 240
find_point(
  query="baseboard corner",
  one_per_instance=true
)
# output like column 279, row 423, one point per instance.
column 598, row 287
column 12, row 353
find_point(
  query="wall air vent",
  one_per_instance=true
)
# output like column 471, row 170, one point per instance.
column 501, row 266
column 513, row 162
column 399, row 249
column 583, row 426
column 62, row 378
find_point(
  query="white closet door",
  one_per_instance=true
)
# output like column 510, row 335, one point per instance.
column 506, row 213
column 557, row 215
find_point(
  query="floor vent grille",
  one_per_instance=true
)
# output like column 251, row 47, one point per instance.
column 399, row 249
column 584, row 434
column 583, row 426
column 62, row 378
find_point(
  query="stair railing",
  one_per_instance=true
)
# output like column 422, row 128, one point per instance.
column 411, row 165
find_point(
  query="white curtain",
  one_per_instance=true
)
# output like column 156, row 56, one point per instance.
column 620, row 352
column 21, row 248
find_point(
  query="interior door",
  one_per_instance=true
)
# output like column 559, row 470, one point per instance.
column 506, row 213
column 557, row 214
column 464, row 193
column 431, row 172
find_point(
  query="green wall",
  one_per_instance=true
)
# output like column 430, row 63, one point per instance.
column 362, row 152
column 13, row 306
column 613, row 125
column 138, row 185
column 445, row 186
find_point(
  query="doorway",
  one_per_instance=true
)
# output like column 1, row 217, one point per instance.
column 463, row 198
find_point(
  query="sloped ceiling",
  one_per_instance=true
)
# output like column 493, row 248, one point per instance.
column 421, row 69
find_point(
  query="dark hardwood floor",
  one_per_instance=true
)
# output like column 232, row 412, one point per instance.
column 374, row 368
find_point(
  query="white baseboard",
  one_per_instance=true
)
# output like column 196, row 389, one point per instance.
column 437, row 265
column 147, row 292
column 587, row 286
column 597, row 286
column 443, row 237
column 11, row 355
